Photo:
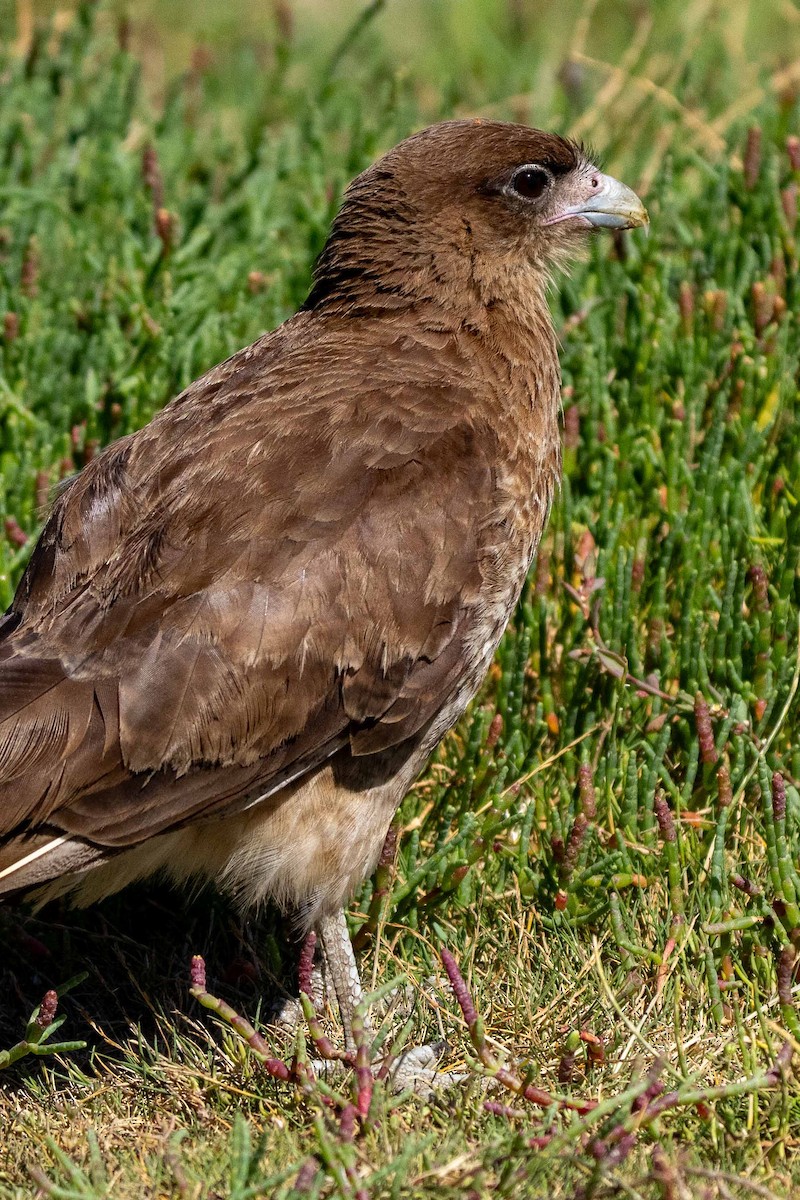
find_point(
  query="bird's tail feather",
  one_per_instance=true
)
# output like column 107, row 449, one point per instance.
column 27, row 862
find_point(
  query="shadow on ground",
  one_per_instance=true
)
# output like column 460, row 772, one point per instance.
column 136, row 949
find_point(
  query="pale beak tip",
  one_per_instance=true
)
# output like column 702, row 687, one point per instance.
column 640, row 219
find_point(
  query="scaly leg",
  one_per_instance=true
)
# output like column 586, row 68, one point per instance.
column 341, row 969
column 417, row 1067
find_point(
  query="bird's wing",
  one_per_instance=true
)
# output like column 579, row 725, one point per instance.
column 290, row 556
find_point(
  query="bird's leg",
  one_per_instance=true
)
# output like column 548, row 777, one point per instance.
column 416, row 1068
column 341, row 969
column 334, row 966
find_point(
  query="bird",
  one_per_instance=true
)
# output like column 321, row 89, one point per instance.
column 246, row 626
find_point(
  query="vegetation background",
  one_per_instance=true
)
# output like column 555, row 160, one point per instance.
column 608, row 844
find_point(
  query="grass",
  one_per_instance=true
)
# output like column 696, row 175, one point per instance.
column 608, row 844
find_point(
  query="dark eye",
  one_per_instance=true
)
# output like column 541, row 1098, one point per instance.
column 530, row 182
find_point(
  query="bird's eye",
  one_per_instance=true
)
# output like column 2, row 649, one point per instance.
column 530, row 182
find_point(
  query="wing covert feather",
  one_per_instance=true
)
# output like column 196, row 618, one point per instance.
column 278, row 563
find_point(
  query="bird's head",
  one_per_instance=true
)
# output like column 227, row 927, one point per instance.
column 494, row 198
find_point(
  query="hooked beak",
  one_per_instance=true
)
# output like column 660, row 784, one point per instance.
column 609, row 205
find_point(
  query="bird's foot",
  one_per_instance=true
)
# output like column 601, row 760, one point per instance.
column 328, row 971
column 418, row 1070
column 415, row 1068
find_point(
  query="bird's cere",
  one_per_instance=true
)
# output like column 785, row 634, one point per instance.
column 609, row 204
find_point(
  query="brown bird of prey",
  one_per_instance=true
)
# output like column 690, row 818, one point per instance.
column 245, row 628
